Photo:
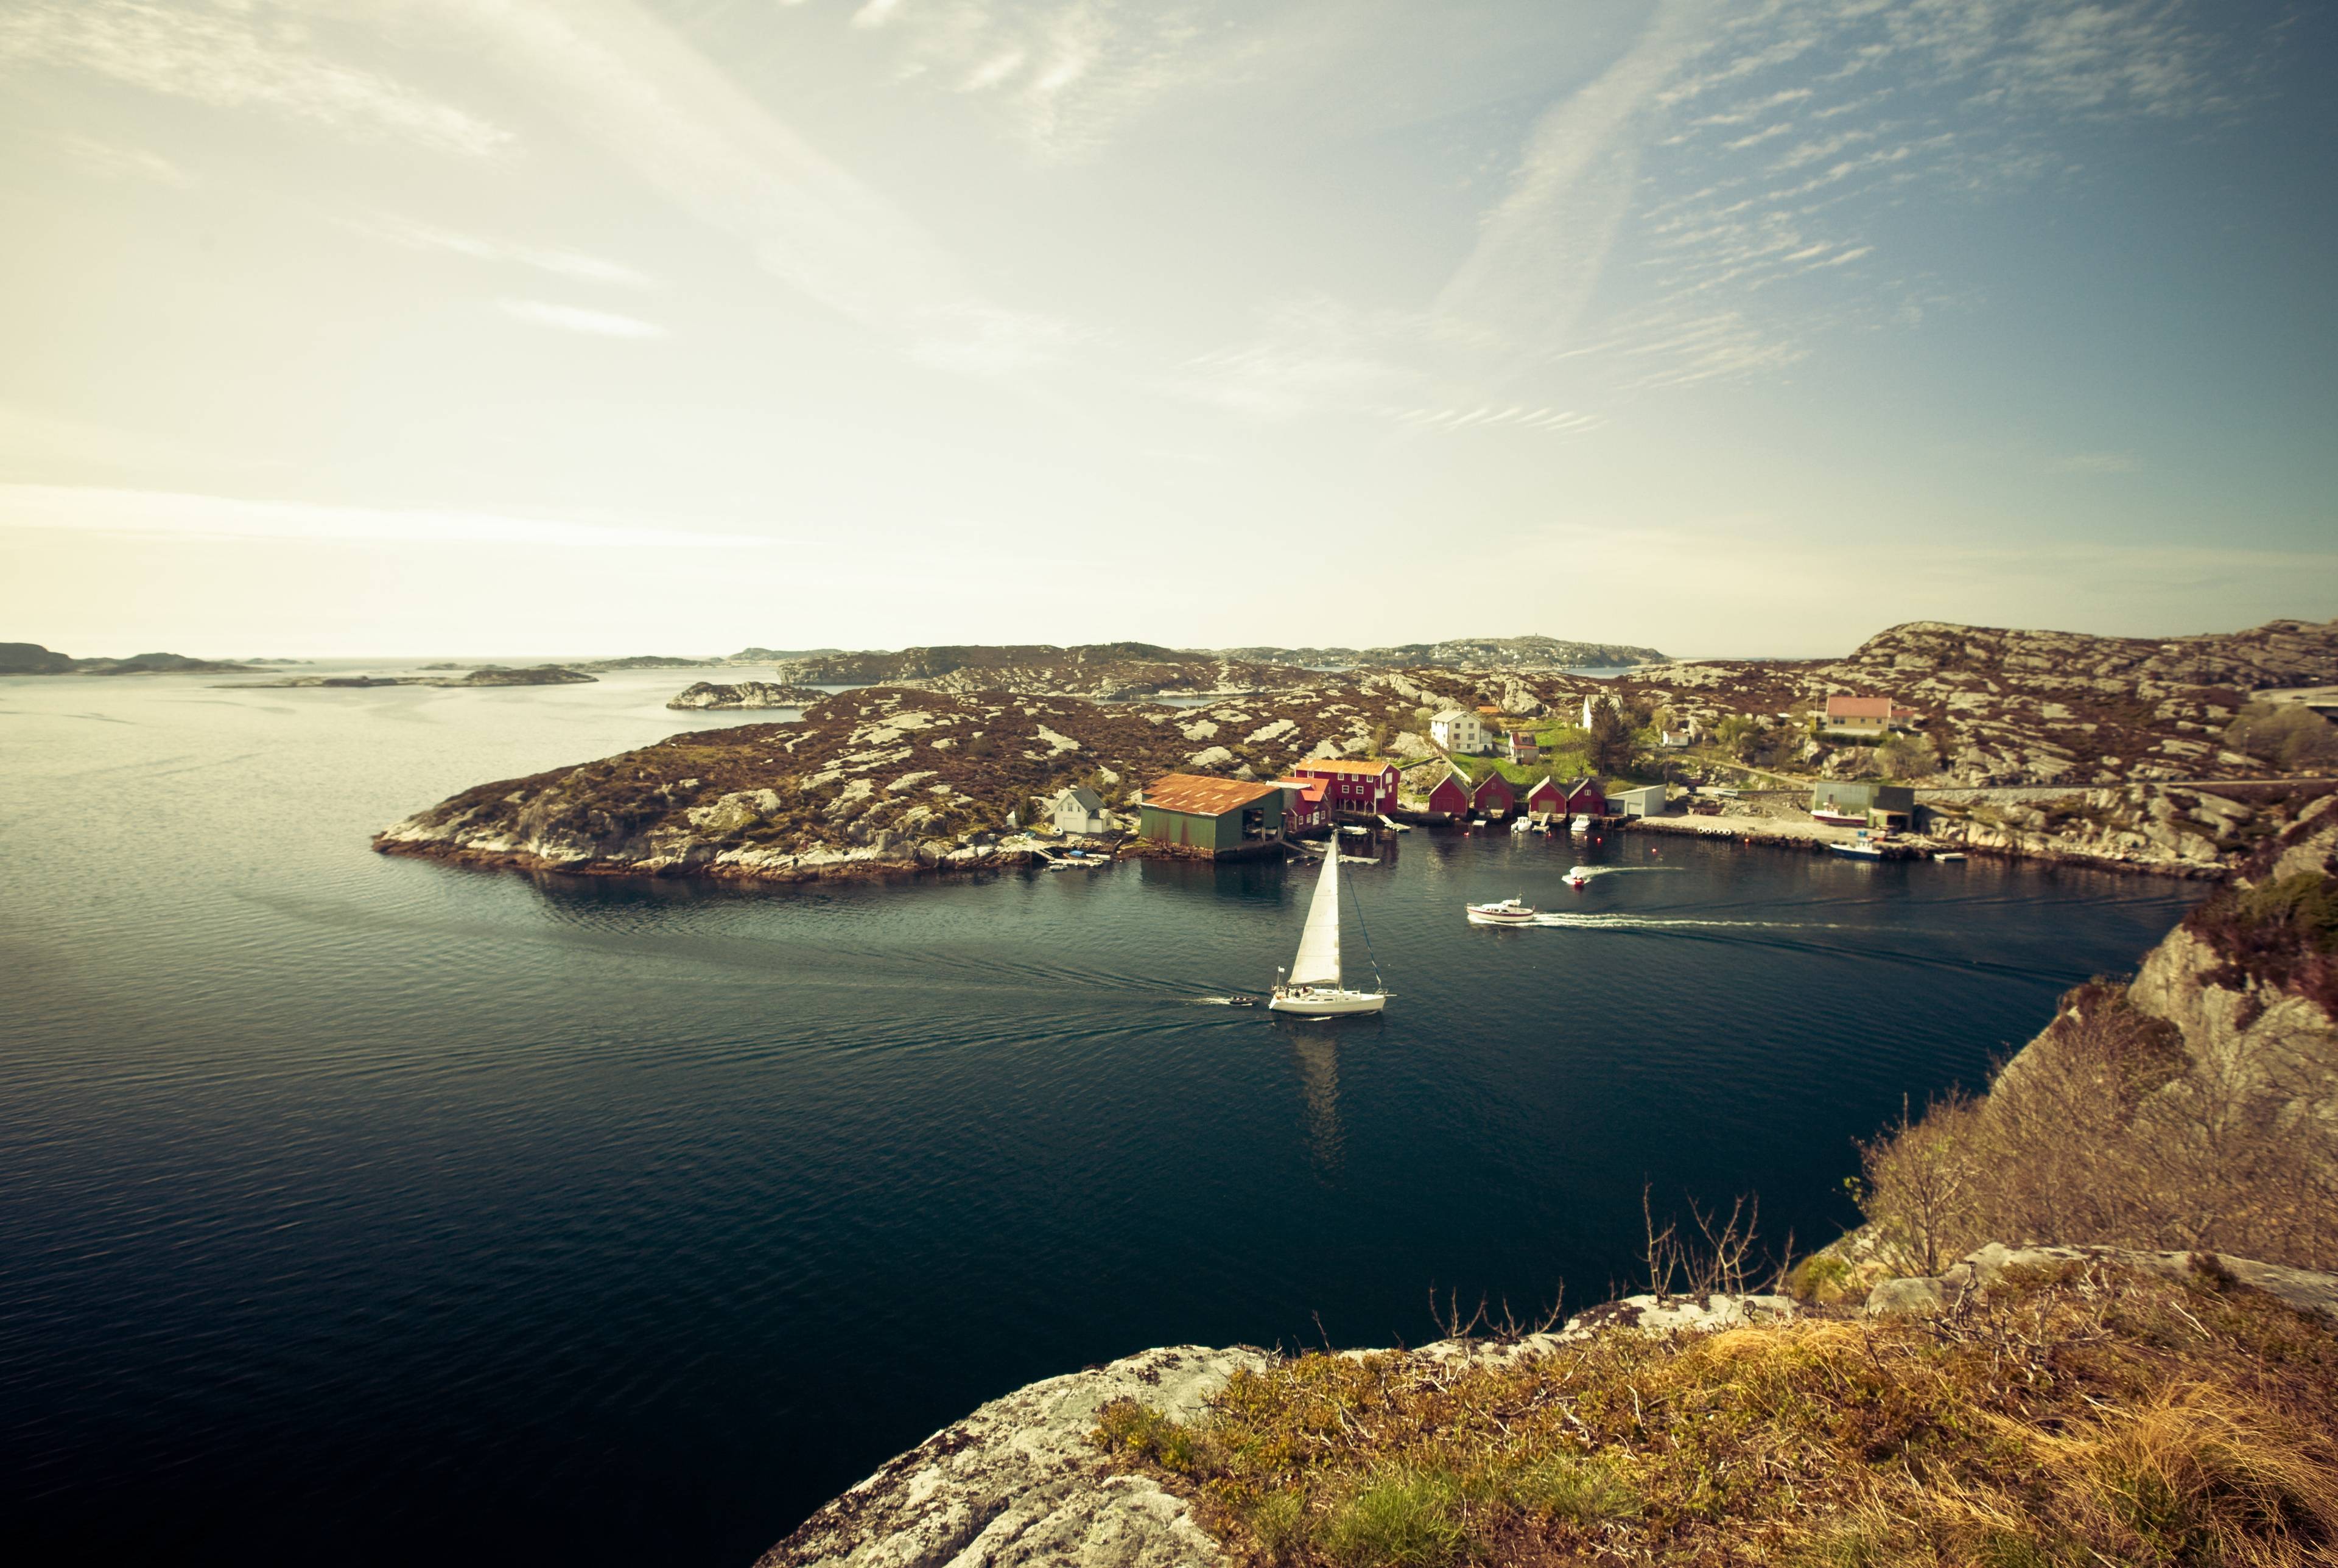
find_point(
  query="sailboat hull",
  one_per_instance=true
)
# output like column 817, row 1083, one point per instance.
column 1327, row 1004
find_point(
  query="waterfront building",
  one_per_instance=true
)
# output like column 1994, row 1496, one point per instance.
column 1587, row 796
column 1547, row 798
column 1459, row 732
column 1305, row 807
column 1080, row 810
column 1450, row 798
column 1211, row 816
column 1493, row 797
column 1356, row 783
column 1645, row 801
column 1882, row 805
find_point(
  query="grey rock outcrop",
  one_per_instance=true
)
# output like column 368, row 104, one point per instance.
column 1018, row 1482
column 2300, row 1289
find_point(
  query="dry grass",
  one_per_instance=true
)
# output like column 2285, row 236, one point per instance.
column 2104, row 1132
column 2083, row 1417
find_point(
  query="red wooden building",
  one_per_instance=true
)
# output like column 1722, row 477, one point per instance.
column 1304, row 804
column 1586, row 797
column 1451, row 796
column 1356, row 784
column 1493, row 797
column 1547, row 797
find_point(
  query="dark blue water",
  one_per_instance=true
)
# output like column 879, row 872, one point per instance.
column 373, row 1208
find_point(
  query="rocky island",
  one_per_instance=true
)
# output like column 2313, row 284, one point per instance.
column 483, row 675
column 2146, row 1373
column 706, row 695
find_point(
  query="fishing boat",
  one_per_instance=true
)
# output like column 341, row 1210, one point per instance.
column 1862, row 848
column 1312, row 986
column 1508, row 912
column 1520, row 826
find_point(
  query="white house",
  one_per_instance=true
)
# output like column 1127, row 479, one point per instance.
column 1460, row 730
column 1079, row 809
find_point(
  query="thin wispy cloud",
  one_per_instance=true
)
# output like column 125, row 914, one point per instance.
column 114, row 160
column 626, row 83
column 569, row 264
column 1065, row 77
column 237, row 56
column 574, row 319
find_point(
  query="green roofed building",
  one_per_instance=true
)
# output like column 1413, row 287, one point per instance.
column 1883, row 805
column 1215, row 817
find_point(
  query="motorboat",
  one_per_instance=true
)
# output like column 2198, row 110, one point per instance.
column 1948, row 854
column 1508, row 912
column 1312, row 986
column 1578, row 877
column 1834, row 818
column 1581, row 825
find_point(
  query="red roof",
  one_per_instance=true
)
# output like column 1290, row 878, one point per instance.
column 1199, row 795
column 1859, row 708
column 1373, row 765
column 1309, row 789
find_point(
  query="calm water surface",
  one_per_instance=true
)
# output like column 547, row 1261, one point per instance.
column 376, row 1209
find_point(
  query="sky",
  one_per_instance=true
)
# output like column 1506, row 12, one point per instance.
column 1725, row 327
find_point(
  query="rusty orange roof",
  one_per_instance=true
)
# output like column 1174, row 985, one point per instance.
column 1859, row 708
column 1203, row 796
column 1342, row 765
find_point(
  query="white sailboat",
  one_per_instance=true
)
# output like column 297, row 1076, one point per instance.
column 1312, row 986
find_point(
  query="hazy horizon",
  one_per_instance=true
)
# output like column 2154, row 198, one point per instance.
column 339, row 324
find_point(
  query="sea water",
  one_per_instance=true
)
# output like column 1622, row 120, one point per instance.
column 378, row 1209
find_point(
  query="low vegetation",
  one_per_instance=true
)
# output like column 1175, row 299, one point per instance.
column 2062, row 1418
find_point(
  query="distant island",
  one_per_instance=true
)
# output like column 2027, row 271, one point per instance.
column 31, row 659
column 485, row 675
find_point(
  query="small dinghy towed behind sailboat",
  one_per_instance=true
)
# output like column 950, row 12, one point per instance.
column 1312, row 986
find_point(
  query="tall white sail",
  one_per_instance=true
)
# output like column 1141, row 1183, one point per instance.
column 1318, row 963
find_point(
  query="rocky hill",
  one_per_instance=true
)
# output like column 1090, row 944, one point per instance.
column 1999, row 707
column 1543, row 654
column 1105, row 671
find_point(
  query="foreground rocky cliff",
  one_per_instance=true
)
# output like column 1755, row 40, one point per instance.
column 2029, row 1405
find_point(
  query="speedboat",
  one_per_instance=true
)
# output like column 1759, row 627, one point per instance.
column 1578, row 877
column 1581, row 825
column 1508, row 912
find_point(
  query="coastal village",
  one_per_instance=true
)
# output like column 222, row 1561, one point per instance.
column 2173, row 757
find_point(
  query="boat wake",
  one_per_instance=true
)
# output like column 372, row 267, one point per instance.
column 1222, row 1001
column 1621, row 870
column 1665, row 922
